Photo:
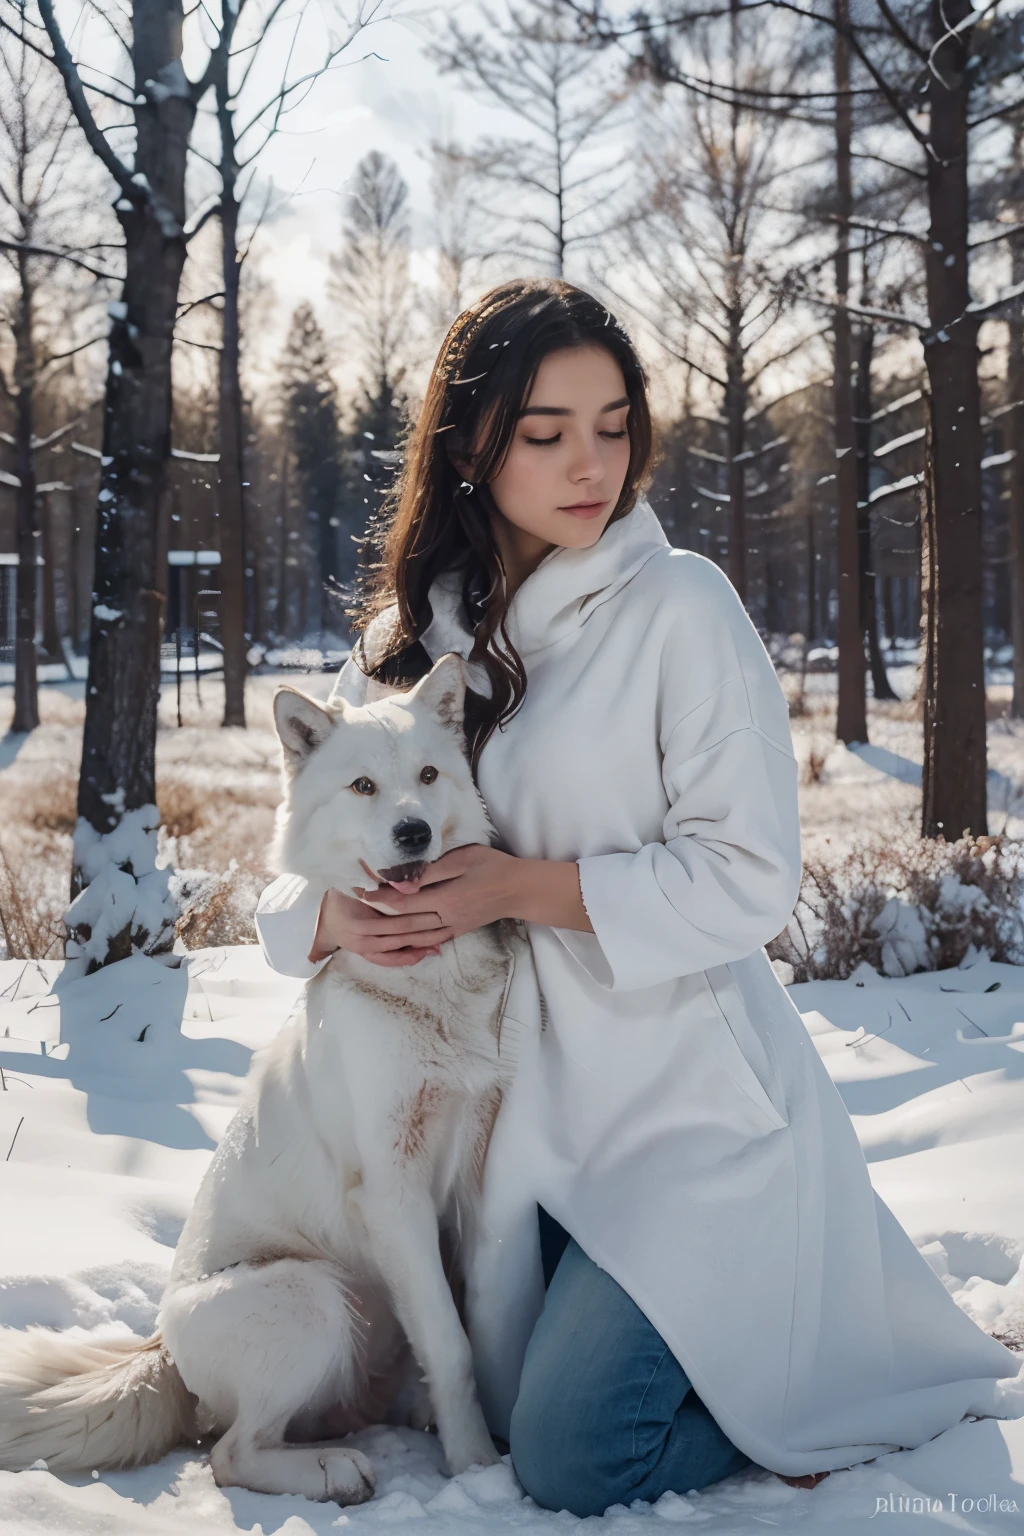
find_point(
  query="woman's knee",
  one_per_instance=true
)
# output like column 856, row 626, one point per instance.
column 563, row 1465
column 572, row 1437
column 581, row 1449
column 554, row 1459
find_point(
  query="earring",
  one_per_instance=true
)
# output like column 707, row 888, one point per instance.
column 467, row 487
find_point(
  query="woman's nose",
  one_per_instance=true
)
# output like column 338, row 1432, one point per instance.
column 587, row 465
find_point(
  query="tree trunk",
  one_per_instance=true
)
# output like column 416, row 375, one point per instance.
column 327, row 537
column 1015, row 439
column 851, row 709
column 735, row 410
column 26, row 692
column 281, row 603
column 862, row 403
column 51, row 627
column 116, row 785
column 890, row 611
column 230, row 497
column 954, row 780
column 812, row 574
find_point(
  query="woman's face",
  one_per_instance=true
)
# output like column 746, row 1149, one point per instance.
column 565, row 467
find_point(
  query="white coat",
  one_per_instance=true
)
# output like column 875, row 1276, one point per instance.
column 673, row 1114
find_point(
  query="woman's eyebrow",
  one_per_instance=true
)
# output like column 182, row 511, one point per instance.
column 563, row 410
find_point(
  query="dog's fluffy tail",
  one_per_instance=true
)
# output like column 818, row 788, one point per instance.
column 81, row 1405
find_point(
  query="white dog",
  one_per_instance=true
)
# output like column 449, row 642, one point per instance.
column 309, row 1279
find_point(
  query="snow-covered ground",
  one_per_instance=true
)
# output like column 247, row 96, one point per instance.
column 104, row 1137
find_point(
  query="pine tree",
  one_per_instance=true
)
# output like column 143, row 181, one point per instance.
column 310, row 411
column 371, row 285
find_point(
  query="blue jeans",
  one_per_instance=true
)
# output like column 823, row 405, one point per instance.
column 605, row 1414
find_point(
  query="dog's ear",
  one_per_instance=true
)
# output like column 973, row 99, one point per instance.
column 302, row 725
column 443, row 691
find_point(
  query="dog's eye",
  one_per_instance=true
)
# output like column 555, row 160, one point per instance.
column 428, row 775
column 364, row 786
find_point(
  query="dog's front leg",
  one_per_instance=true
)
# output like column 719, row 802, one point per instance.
column 402, row 1232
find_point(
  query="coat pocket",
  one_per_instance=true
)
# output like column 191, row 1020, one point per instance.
column 749, row 1061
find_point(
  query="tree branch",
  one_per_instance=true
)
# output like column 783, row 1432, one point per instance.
column 44, row 250
column 57, row 357
column 986, row 117
column 183, row 309
column 76, row 95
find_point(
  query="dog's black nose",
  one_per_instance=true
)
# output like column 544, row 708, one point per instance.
column 412, row 836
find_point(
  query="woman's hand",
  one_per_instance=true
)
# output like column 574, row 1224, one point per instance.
column 477, row 884
column 345, row 923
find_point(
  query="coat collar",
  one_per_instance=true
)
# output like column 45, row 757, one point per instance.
column 556, row 598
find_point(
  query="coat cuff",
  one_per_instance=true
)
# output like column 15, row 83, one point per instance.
column 285, row 924
column 641, row 940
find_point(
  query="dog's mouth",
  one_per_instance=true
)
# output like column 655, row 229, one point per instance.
column 395, row 873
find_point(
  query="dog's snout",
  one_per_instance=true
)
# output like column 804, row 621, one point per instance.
column 412, row 835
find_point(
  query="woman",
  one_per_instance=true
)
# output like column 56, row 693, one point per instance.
column 725, row 1287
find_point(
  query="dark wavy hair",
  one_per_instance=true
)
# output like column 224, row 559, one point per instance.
column 430, row 523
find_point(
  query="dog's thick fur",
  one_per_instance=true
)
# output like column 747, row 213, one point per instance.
column 308, row 1291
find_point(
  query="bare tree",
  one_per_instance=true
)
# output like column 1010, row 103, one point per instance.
column 244, row 135
column 865, row 335
column 1015, row 411
column 39, row 198
column 702, row 246
column 918, row 63
column 556, row 182
column 923, row 57
column 459, row 230
column 120, row 900
column 954, row 784
column 851, row 708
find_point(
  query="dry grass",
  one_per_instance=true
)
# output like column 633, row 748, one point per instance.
column 902, row 903
column 31, row 926
column 814, row 764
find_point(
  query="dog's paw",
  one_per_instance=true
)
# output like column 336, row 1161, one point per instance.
column 349, row 1476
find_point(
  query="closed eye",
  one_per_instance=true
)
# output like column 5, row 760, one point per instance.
column 542, row 441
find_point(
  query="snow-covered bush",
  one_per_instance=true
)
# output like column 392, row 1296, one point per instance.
column 126, row 906
column 903, row 903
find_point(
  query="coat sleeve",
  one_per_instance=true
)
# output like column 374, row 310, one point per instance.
column 725, row 877
column 286, row 915
column 287, row 910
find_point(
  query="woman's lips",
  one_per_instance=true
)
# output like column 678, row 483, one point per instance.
column 587, row 509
